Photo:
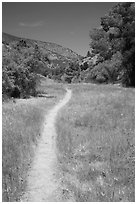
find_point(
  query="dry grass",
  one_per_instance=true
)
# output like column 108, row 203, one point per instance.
column 21, row 128
column 96, row 143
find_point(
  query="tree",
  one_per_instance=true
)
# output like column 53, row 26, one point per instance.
column 117, row 34
column 71, row 71
column 18, row 80
column 37, row 61
column 121, row 20
column 100, row 43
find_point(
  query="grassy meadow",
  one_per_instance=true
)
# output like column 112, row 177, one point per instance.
column 22, row 121
column 96, row 144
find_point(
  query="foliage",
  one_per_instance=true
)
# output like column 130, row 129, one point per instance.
column 116, row 34
column 108, row 71
column 21, row 64
column 71, row 71
column 112, row 56
column 100, row 43
column 120, row 25
column 57, row 73
column 23, row 59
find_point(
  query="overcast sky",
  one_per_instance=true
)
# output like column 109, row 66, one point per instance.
column 67, row 24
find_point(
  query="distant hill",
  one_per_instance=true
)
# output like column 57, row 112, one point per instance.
column 7, row 38
column 55, row 52
column 24, row 60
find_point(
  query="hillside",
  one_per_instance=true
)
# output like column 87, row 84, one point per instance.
column 24, row 58
column 53, row 50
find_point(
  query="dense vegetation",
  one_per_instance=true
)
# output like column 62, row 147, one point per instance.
column 17, row 75
column 24, row 59
column 112, row 56
column 111, row 59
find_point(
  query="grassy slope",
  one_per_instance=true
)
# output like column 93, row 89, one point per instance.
column 96, row 143
column 21, row 124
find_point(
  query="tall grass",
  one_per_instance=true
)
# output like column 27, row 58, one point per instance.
column 96, row 143
column 21, row 129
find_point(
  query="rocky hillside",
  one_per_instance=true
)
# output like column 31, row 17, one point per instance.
column 56, row 53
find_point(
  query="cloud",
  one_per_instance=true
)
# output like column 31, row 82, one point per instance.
column 31, row 25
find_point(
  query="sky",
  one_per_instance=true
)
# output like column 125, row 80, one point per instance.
column 65, row 23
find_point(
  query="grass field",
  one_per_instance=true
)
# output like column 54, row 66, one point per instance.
column 96, row 143
column 21, row 127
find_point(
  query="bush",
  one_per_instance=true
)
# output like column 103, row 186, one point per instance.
column 19, row 71
column 18, row 81
column 107, row 71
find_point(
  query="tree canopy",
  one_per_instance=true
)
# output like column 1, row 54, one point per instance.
column 117, row 33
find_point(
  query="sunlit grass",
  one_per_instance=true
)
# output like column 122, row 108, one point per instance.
column 96, row 143
column 21, row 129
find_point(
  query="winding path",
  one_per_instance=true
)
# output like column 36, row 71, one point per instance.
column 42, row 184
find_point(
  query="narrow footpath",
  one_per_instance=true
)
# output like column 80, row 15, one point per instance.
column 42, row 184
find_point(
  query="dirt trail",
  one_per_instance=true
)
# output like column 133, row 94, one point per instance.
column 42, row 184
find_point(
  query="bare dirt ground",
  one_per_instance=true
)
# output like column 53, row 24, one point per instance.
column 42, row 183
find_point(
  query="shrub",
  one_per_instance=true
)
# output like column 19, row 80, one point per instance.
column 107, row 71
column 19, row 71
